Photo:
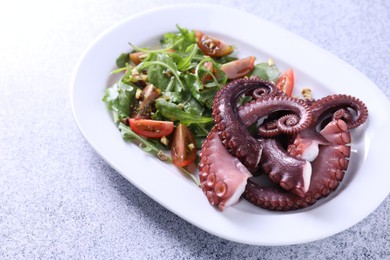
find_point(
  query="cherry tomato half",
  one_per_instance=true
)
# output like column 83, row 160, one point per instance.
column 151, row 128
column 212, row 46
column 238, row 68
column 286, row 82
column 136, row 57
column 183, row 148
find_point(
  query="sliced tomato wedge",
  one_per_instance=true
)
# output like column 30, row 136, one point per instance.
column 148, row 98
column 151, row 128
column 238, row 68
column 136, row 57
column 212, row 46
column 183, row 148
column 208, row 77
column 286, row 82
column 208, row 65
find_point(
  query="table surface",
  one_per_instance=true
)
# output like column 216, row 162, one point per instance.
column 59, row 199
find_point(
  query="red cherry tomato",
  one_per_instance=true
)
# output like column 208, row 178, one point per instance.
column 212, row 46
column 183, row 148
column 208, row 77
column 286, row 82
column 238, row 68
column 151, row 128
column 136, row 57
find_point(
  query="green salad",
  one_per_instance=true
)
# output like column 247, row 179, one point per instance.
column 163, row 99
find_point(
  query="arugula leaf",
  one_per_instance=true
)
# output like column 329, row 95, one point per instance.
column 169, row 39
column 119, row 98
column 265, row 71
column 175, row 113
column 179, row 40
column 185, row 63
column 224, row 59
column 122, row 60
column 203, row 96
column 214, row 77
column 193, row 107
column 188, row 35
column 200, row 131
column 204, row 84
column 160, row 70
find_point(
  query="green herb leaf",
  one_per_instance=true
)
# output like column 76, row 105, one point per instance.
column 122, row 60
column 193, row 107
column 119, row 98
column 203, row 96
column 160, row 70
column 186, row 62
column 179, row 40
column 266, row 71
column 175, row 113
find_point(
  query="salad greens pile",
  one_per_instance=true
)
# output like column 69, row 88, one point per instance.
column 184, row 82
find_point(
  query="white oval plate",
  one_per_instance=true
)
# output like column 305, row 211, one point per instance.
column 366, row 183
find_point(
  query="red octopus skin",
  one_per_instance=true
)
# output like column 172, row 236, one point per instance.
column 332, row 161
column 233, row 134
column 223, row 177
column 328, row 171
column 306, row 145
column 230, row 132
column 289, row 172
column 332, row 103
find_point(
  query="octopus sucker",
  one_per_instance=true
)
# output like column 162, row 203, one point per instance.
column 223, row 178
column 290, row 172
column 301, row 147
column 306, row 145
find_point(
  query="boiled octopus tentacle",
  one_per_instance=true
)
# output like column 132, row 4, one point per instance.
column 344, row 114
column 328, row 171
column 332, row 103
column 336, row 132
column 233, row 134
column 289, row 172
column 329, row 153
column 306, row 145
column 316, row 132
column 298, row 118
column 223, row 177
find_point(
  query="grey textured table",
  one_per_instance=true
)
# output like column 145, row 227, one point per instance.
column 59, row 199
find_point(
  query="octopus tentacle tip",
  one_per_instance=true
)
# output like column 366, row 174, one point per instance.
column 333, row 103
column 342, row 125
